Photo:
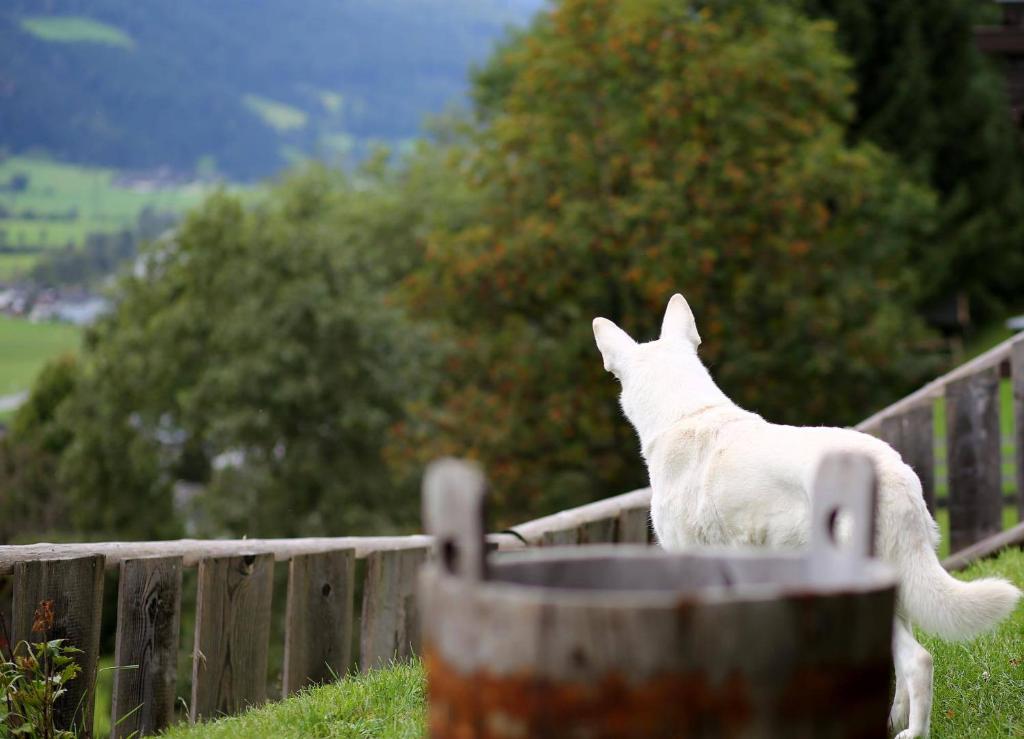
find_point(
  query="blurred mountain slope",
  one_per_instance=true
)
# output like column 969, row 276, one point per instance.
column 240, row 84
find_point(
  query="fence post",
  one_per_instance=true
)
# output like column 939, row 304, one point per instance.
column 146, row 650
column 75, row 587
column 1017, row 374
column 390, row 617
column 601, row 531
column 318, row 618
column 229, row 658
column 561, row 537
column 634, row 526
column 912, row 434
column 972, row 428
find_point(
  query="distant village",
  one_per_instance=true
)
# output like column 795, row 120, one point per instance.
column 73, row 305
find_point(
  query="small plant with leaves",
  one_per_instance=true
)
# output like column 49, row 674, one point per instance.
column 33, row 677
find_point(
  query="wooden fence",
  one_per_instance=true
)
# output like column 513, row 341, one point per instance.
column 969, row 399
column 234, row 583
column 233, row 608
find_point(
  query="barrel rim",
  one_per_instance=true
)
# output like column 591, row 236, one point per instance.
column 861, row 577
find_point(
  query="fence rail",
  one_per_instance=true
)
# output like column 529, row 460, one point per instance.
column 235, row 578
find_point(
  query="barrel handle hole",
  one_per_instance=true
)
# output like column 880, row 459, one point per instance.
column 450, row 556
column 832, row 524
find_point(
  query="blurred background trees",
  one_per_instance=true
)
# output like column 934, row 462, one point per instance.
column 629, row 150
column 812, row 176
column 925, row 93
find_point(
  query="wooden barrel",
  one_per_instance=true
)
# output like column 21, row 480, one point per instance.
column 625, row 641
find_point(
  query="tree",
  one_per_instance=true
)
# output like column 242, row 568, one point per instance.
column 627, row 150
column 927, row 94
column 258, row 354
column 32, row 504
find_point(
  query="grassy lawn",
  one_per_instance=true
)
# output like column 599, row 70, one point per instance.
column 979, row 685
column 383, row 703
column 25, row 347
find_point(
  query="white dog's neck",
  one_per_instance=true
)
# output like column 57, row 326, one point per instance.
column 667, row 405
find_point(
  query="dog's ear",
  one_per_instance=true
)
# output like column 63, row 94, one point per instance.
column 679, row 321
column 614, row 343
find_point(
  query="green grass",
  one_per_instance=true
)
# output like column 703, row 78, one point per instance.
column 979, row 685
column 279, row 116
column 979, row 688
column 75, row 29
column 25, row 347
column 382, row 703
column 104, row 696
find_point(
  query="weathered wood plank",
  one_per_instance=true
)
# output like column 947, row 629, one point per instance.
column 912, row 434
column 146, row 649
column 390, row 617
column 560, row 537
column 193, row 550
column 318, row 618
column 918, row 450
column 601, row 531
column 75, row 589
column 891, row 431
column 974, row 458
column 634, row 526
column 1017, row 375
column 229, row 660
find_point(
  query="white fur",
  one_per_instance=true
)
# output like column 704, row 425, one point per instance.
column 722, row 475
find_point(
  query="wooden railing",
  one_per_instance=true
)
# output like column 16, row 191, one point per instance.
column 970, row 398
column 233, row 607
column 234, row 579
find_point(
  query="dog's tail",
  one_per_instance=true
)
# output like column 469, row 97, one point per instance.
column 949, row 608
column 929, row 596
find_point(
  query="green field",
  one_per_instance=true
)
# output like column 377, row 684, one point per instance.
column 25, row 347
column 67, row 203
column 75, row 29
column 11, row 265
column 279, row 116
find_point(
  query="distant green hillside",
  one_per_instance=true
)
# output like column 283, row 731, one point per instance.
column 240, row 84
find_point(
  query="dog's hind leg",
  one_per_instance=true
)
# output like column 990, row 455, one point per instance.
column 914, row 671
column 899, row 716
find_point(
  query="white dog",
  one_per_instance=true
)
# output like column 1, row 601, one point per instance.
column 721, row 475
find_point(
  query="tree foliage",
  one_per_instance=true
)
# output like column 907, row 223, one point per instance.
column 627, row 150
column 927, row 94
column 257, row 355
column 32, row 505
